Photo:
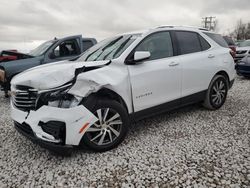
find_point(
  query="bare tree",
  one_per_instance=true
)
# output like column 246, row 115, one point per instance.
column 247, row 35
column 242, row 31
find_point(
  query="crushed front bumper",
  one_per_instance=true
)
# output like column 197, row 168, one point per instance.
column 57, row 148
column 37, row 125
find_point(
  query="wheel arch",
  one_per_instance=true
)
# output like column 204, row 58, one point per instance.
column 224, row 73
column 109, row 94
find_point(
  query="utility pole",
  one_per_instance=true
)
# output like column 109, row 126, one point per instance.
column 209, row 22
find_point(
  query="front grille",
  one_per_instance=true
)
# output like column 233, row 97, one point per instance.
column 25, row 99
column 241, row 52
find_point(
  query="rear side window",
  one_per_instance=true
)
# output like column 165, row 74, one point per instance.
column 87, row 44
column 189, row 42
column 218, row 39
column 204, row 44
column 229, row 41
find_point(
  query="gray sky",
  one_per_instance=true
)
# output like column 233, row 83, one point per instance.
column 26, row 23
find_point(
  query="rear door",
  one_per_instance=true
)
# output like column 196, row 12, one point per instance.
column 196, row 59
column 64, row 49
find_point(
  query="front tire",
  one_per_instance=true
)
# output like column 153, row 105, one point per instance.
column 110, row 129
column 217, row 93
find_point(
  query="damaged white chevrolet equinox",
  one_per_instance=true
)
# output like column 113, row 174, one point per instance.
column 91, row 101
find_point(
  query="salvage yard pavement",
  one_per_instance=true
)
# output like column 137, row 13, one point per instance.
column 189, row 147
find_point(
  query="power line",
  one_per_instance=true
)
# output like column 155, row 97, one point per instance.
column 209, row 22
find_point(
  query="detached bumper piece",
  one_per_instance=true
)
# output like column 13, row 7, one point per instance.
column 26, row 130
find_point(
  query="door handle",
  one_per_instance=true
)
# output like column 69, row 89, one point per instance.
column 173, row 64
column 210, row 56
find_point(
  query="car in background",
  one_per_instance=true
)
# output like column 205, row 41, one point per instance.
column 92, row 100
column 243, row 67
column 242, row 50
column 11, row 55
column 50, row 51
column 238, row 42
column 231, row 45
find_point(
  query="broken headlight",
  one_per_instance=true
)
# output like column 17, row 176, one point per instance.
column 59, row 97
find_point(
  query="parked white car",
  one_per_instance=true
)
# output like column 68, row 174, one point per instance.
column 91, row 101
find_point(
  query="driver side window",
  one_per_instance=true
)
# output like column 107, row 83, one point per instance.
column 158, row 44
column 66, row 48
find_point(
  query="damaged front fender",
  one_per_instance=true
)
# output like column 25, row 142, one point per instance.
column 113, row 77
column 85, row 87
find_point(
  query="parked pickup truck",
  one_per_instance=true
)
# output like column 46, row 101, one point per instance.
column 50, row 51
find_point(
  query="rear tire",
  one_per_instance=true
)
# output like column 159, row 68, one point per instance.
column 217, row 93
column 111, row 128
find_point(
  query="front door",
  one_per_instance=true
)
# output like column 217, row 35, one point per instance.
column 157, row 80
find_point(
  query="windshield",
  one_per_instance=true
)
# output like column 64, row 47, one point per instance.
column 244, row 43
column 42, row 48
column 110, row 48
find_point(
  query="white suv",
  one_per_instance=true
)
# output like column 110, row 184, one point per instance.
column 92, row 100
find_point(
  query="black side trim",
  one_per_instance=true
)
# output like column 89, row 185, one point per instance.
column 194, row 98
column 175, row 104
column 152, row 111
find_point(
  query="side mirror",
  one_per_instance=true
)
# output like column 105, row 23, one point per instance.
column 141, row 55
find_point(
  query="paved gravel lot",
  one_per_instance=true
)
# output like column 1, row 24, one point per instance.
column 188, row 147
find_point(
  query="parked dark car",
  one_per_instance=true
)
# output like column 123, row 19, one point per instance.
column 231, row 45
column 243, row 67
column 50, row 51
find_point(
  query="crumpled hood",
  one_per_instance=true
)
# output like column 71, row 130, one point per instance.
column 52, row 75
column 242, row 48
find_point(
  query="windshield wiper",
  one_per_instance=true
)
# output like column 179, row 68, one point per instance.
column 121, row 46
column 104, row 48
column 111, row 43
column 92, row 53
column 118, row 49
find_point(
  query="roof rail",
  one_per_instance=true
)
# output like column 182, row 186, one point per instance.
column 165, row 26
column 173, row 26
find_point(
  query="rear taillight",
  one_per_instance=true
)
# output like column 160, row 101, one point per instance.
column 232, row 53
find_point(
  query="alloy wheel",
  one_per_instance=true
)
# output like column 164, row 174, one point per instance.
column 218, row 94
column 107, row 129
